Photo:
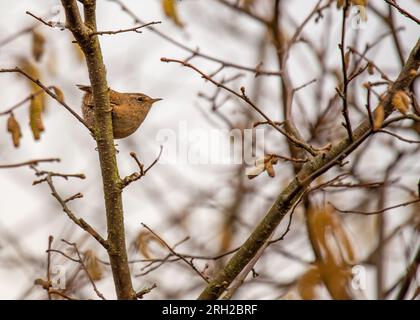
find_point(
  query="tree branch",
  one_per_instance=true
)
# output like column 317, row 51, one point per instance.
column 310, row 171
column 90, row 46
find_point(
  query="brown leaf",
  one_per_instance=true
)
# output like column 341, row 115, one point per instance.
column 93, row 266
column 45, row 284
column 142, row 243
column 335, row 250
column 270, row 170
column 38, row 45
column 308, row 282
column 52, row 63
column 30, row 69
column 359, row 2
column 247, row 4
column 401, row 101
column 226, row 236
column 378, row 117
column 14, row 129
column 35, row 117
column 263, row 164
column 58, row 93
column 347, row 59
column 340, row 3
column 171, row 11
column 33, row 71
column 371, row 69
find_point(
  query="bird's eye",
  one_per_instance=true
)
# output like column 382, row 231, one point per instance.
column 140, row 99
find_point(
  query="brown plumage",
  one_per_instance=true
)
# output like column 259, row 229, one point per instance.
column 128, row 110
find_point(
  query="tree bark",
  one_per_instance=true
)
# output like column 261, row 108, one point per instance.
column 83, row 32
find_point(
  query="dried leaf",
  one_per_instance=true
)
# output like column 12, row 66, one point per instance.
column 378, row 117
column 142, row 243
column 226, row 236
column 43, row 283
column 171, row 11
column 335, row 249
column 93, row 266
column 14, row 129
column 30, row 69
column 52, row 63
column 270, row 170
column 308, row 282
column 347, row 59
column 35, row 117
column 337, row 278
column 359, row 2
column 401, row 101
column 247, row 4
column 263, row 164
column 254, row 171
column 345, row 245
column 33, row 71
column 58, row 93
column 340, row 3
column 371, row 69
column 38, row 44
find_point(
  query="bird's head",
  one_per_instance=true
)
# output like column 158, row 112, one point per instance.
column 141, row 100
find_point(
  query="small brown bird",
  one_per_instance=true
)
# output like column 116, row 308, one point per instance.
column 128, row 110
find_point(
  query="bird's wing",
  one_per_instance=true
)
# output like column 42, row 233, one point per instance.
column 113, row 97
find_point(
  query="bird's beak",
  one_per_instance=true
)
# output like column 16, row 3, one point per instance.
column 155, row 100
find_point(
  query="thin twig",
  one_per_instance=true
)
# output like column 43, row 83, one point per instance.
column 177, row 254
column 48, row 91
column 344, row 62
column 367, row 213
column 82, row 264
column 50, row 240
column 402, row 11
column 195, row 52
column 397, row 136
column 29, row 163
column 134, row 29
column 28, row 98
column 245, row 98
column 145, row 291
column 137, row 175
column 78, row 221
column 48, row 24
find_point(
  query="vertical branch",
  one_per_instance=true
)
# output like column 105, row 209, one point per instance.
column 50, row 240
column 380, row 251
column 379, row 259
column 89, row 43
column 397, row 43
column 344, row 63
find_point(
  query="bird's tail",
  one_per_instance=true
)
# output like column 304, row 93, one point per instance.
column 84, row 88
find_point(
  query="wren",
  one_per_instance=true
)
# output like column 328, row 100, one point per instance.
column 128, row 110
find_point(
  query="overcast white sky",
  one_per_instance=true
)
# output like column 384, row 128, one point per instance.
column 133, row 64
